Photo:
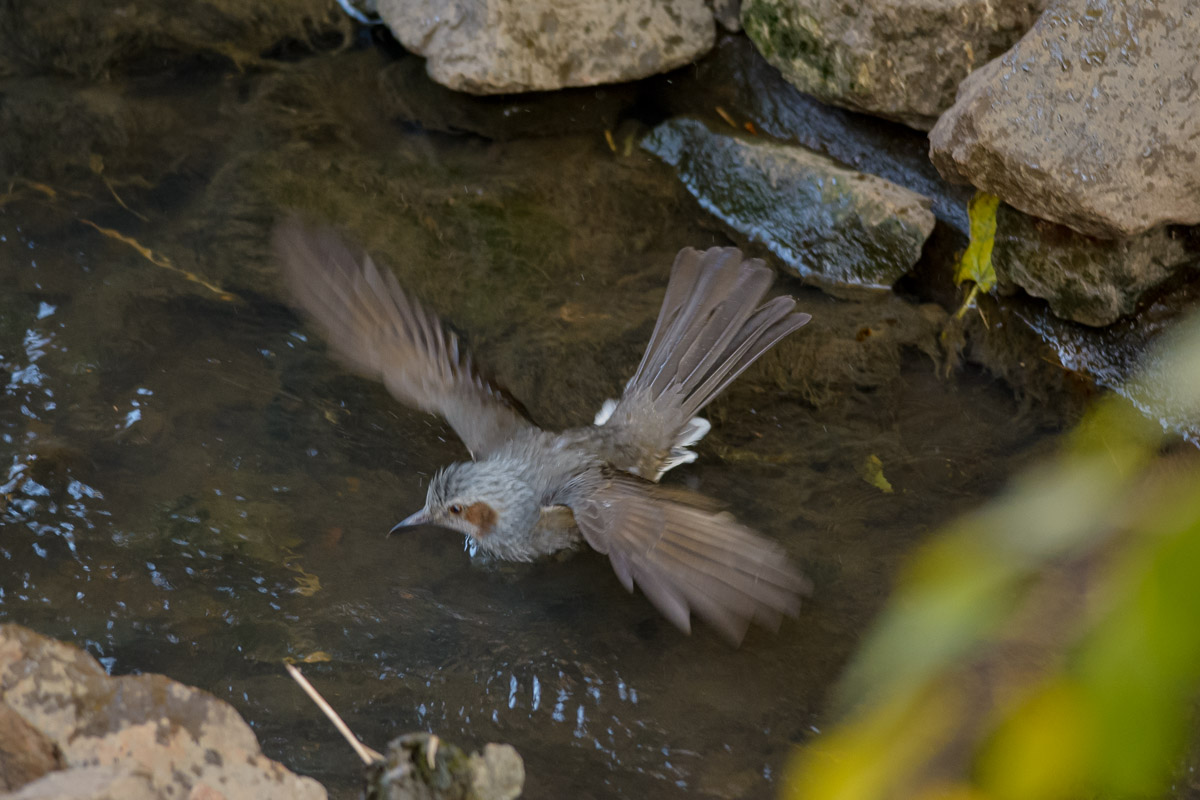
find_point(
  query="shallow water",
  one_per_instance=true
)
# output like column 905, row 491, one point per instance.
column 195, row 488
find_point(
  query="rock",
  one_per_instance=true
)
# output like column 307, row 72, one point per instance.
column 501, row 46
column 135, row 736
column 1092, row 120
column 835, row 227
column 498, row 774
column 900, row 59
column 90, row 39
column 25, row 754
column 735, row 78
column 1093, row 281
column 96, row 783
column 420, row 766
column 1058, row 364
column 409, row 95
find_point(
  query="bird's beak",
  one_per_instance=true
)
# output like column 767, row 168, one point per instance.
column 419, row 518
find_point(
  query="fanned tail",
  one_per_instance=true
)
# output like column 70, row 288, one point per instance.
column 710, row 329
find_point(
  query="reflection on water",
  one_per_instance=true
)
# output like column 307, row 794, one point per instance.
column 193, row 487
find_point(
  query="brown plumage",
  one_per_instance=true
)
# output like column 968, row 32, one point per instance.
column 530, row 492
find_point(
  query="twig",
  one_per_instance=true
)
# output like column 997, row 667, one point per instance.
column 368, row 755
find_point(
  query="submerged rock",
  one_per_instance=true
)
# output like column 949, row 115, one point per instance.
column 132, row 737
column 501, row 46
column 833, row 226
column 51, row 128
column 858, row 344
column 900, row 59
column 1092, row 119
column 1093, row 281
column 89, row 39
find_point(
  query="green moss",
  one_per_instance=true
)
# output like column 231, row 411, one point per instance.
column 787, row 34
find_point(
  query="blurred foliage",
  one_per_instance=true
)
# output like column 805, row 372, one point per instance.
column 1046, row 646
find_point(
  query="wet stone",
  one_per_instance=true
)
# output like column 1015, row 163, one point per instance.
column 899, row 59
column 1115, row 357
column 995, row 336
column 503, row 46
column 1089, row 280
column 839, row 229
column 1091, row 120
column 734, row 85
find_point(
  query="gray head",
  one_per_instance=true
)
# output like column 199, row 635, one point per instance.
column 486, row 500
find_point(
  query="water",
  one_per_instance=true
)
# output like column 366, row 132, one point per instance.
column 194, row 487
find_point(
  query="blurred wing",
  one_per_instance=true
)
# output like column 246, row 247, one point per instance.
column 687, row 557
column 381, row 332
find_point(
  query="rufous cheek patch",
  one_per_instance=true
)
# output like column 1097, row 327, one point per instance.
column 482, row 516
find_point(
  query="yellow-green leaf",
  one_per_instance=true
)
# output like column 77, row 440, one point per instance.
column 976, row 263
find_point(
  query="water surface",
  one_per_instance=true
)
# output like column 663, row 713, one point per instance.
column 194, row 487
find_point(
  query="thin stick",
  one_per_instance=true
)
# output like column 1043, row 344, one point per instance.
column 368, row 755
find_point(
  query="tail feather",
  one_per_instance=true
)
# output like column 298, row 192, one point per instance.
column 709, row 347
column 721, row 291
column 709, row 330
column 765, row 329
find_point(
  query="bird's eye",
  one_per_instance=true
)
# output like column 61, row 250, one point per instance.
column 455, row 509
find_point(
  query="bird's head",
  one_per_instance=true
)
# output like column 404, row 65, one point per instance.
column 485, row 500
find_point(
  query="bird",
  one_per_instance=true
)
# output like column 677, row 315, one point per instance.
column 528, row 492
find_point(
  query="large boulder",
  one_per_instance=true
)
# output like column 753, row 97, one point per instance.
column 132, row 737
column 835, row 227
column 900, row 59
column 1092, row 120
column 500, row 46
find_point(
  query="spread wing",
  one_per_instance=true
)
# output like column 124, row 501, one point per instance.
column 687, row 557
column 381, row 332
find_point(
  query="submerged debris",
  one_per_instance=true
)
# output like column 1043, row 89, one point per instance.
column 420, row 766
